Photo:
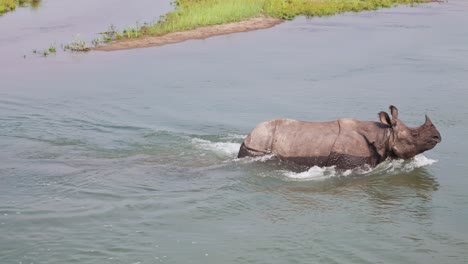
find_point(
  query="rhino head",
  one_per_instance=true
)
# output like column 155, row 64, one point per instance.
column 405, row 142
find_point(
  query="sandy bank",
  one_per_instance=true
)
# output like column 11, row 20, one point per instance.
column 198, row 33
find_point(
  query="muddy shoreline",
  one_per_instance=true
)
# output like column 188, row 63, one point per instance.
column 198, row 33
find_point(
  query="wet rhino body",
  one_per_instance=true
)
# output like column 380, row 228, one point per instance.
column 344, row 143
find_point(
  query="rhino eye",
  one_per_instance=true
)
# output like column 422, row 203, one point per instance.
column 415, row 134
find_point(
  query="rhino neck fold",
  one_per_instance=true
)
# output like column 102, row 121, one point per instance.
column 388, row 143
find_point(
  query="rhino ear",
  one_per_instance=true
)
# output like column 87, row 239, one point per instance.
column 394, row 112
column 384, row 118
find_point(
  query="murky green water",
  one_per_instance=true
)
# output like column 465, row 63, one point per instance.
column 129, row 156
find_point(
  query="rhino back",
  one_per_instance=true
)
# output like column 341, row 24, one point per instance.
column 306, row 143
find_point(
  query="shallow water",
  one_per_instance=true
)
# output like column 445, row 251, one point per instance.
column 129, row 156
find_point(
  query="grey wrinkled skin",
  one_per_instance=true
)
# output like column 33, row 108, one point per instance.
column 344, row 143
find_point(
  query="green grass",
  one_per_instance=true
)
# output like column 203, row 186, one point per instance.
column 190, row 14
column 290, row 9
column 52, row 49
column 10, row 5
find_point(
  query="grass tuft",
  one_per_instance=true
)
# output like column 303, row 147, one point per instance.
column 52, row 49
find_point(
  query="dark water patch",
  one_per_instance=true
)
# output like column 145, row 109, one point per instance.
column 418, row 27
column 47, row 29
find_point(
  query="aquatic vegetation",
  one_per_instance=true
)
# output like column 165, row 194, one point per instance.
column 77, row 45
column 46, row 52
column 96, row 42
column 52, row 49
column 108, row 35
column 10, row 5
column 131, row 32
column 190, row 14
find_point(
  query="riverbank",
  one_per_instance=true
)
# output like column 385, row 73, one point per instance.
column 199, row 33
column 10, row 5
column 206, row 18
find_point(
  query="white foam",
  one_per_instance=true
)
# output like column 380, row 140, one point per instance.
column 314, row 173
column 389, row 166
column 400, row 165
column 421, row 161
column 263, row 158
column 234, row 137
column 226, row 148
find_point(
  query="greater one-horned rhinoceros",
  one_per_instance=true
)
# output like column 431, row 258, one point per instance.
column 344, row 143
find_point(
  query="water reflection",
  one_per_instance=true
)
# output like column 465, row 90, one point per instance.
column 35, row 4
column 383, row 197
column 404, row 194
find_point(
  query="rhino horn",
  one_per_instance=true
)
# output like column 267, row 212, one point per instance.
column 428, row 121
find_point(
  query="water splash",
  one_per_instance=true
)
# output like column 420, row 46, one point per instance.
column 229, row 149
column 234, row 137
column 263, row 158
column 386, row 167
column 314, row 173
column 400, row 165
column 225, row 148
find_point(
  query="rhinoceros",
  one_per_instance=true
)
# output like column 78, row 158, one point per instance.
column 343, row 143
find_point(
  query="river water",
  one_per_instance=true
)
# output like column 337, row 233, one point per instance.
column 129, row 156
